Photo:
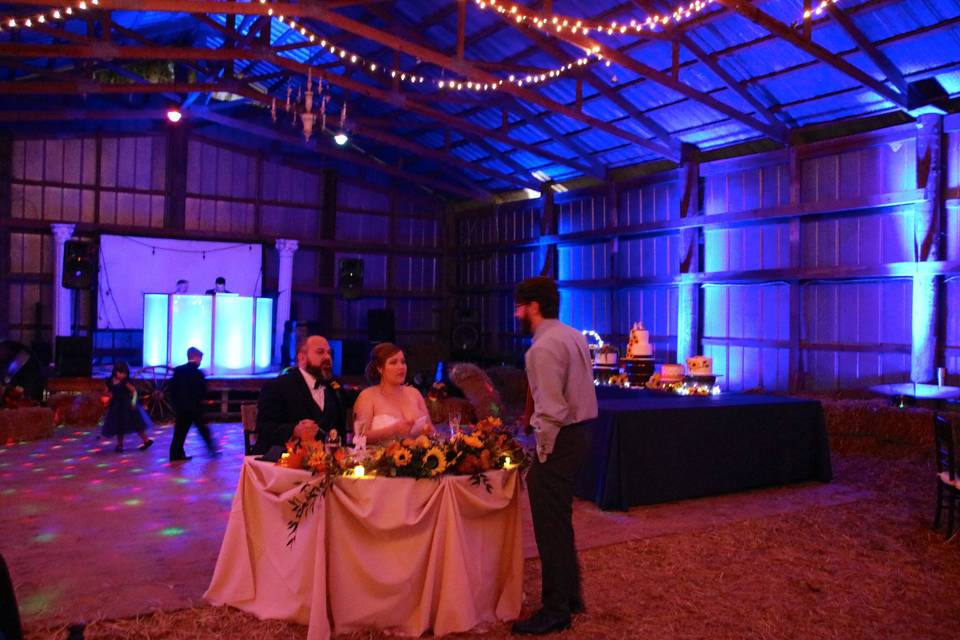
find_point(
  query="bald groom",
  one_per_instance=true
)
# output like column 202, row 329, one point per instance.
column 305, row 401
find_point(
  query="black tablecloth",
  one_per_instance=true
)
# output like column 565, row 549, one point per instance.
column 648, row 447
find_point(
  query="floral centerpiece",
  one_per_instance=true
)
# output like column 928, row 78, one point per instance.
column 488, row 446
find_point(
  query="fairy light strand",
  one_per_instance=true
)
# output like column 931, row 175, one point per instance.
column 348, row 57
column 557, row 23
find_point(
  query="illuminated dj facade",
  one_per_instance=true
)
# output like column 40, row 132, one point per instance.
column 234, row 332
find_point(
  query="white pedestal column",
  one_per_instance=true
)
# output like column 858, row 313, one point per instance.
column 286, row 249
column 62, row 300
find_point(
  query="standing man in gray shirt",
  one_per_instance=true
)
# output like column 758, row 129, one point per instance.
column 564, row 402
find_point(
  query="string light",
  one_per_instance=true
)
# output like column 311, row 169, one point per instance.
column 558, row 23
column 353, row 58
column 819, row 10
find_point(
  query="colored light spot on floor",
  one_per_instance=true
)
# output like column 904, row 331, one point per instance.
column 7, row 492
column 67, row 476
column 171, row 532
column 40, row 602
column 102, row 465
column 133, row 502
column 182, row 480
column 45, row 537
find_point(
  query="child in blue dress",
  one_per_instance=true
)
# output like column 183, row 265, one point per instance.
column 124, row 413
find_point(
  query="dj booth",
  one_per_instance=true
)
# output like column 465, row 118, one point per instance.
column 234, row 332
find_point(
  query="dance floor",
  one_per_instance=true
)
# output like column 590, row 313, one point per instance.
column 91, row 534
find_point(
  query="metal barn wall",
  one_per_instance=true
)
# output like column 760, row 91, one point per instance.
column 802, row 261
column 120, row 184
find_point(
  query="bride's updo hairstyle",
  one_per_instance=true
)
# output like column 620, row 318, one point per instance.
column 378, row 360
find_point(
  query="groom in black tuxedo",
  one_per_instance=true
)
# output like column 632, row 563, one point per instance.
column 305, row 402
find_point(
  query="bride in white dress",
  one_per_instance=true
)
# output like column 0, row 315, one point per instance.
column 390, row 408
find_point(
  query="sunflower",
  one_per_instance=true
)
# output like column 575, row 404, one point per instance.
column 422, row 441
column 402, row 457
column 434, row 461
column 318, row 459
column 473, row 440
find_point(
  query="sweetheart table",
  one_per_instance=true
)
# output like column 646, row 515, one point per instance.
column 402, row 555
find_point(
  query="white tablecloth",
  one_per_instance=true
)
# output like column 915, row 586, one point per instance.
column 403, row 555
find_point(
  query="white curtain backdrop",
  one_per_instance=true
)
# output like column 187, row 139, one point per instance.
column 132, row 266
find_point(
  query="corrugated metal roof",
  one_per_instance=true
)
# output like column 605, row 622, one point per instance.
column 920, row 37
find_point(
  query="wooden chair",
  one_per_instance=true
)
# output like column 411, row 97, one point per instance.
column 248, row 415
column 948, row 481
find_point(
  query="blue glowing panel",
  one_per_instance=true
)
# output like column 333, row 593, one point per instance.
column 191, row 326
column 263, row 341
column 155, row 329
column 233, row 334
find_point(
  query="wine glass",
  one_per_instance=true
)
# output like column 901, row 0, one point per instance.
column 454, row 418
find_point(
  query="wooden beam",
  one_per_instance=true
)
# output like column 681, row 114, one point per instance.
column 890, row 70
column 461, row 26
column 79, row 87
column 187, row 53
column 712, row 64
column 68, row 115
column 538, row 121
column 668, row 81
column 353, row 26
column 266, row 132
column 593, row 77
column 784, row 32
column 467, row 69
column 367, row 131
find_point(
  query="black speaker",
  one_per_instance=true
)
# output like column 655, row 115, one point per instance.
column 74, row 356
column 354, row 357
column 79, row 265
column 381, row 326
column 465, row 334
column 351, row 277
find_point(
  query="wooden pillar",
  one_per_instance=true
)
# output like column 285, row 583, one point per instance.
column 612, row 222
column 795, row 362
column 327, row 266
column 688, row 304
column 6, row 178
column 927, row 248
column 548, row 227
column 175, row 209
column 449, row 280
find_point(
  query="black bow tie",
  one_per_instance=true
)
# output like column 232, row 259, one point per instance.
column 316, row 384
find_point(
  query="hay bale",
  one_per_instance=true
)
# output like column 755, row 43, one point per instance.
column 29, row 423
column 84, row 409
column 876, row 426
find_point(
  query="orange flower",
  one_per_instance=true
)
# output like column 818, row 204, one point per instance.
column 402, row 457
column 473, row 440
column 469, row 465
column 485, row 461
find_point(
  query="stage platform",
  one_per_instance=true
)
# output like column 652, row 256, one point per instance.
column 226, row 392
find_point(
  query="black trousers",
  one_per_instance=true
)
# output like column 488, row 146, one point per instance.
column 550, row 486
column 184, row 420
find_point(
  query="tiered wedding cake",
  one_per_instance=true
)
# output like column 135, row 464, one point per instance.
column 638, row 345
column 638, row 361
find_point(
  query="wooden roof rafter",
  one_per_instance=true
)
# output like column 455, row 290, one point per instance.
column 785, row 33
